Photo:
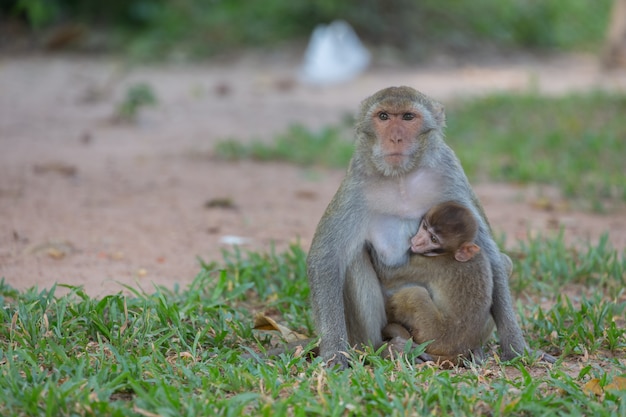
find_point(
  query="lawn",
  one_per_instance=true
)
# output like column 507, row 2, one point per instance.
column 194, row 351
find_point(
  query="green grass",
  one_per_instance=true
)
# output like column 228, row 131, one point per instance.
column 180, row 352
column 298, row 145
column 138, row 96
column 576, row 143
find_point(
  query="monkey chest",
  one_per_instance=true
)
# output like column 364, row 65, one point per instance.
column 395, row 207
column 390, row 237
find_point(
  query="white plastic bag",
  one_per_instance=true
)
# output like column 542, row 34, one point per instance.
column 334, row 55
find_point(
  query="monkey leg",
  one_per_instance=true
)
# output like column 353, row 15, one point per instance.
column 392, row 330
column 414, row 309
column 543, row 356
column 364, row 303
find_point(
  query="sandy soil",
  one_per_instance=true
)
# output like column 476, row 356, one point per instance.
column 85, row 201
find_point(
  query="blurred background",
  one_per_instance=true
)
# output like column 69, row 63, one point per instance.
column 137, row 136
column 193, row 29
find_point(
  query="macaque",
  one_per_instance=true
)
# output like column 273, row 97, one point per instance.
column 444, row 293
column 400, row 168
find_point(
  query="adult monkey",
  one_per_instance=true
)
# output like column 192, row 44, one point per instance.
column 400, row 168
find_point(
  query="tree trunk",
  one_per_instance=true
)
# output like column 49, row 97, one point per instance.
column 614, row 54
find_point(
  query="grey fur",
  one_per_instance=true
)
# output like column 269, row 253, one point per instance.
column 346, row 296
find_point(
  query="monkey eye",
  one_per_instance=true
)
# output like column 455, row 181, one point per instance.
column 433, row 239
column 408, row 116
column 383, row 116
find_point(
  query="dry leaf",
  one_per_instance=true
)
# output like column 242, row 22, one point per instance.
column 61, row 168
column 224, row 203
column 542, row 203
column 263, row 322
column 593, row 387
column 55, row 253
column 144, row 413
column 510, row 406
column 618, row 384
column 306, row 194
column 54, row 249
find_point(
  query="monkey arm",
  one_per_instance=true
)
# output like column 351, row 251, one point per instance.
column 334, row 267
column 510, row 335
column 326, row 271
column 515, row 345
column 364, row 302
column 414, row 308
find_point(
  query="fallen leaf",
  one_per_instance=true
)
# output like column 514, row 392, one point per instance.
column 61, row 168
column 224, row 203
column 593, row 387
column 55, row 250
column 306, row 194
column 542, row 203
column 263, row 322
column 618, row 384
column 55, row 253
column 212, row 230
column 144, row 413
column 509, row 407
column 553, row 223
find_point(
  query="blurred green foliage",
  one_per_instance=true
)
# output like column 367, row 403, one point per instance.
column 298, row 145
column 137, row 96
column 575, row 141
column 196, row 28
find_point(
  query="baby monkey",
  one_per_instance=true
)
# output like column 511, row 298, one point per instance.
column 445, row 292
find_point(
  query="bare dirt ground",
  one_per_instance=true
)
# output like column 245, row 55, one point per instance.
column 85, row 201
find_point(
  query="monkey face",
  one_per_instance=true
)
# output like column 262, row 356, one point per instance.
column 395, row 122
column 396, row 132
column 426, row 241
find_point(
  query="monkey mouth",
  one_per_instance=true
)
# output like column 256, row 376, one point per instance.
column 396, row 158
column 434, row 252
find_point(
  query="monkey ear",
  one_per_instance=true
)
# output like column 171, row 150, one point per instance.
column 466, row 252
column 440, row 114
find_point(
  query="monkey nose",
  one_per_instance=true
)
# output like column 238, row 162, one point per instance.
column 417, row 241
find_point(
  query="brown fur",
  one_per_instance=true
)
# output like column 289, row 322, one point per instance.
column 439, row 299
